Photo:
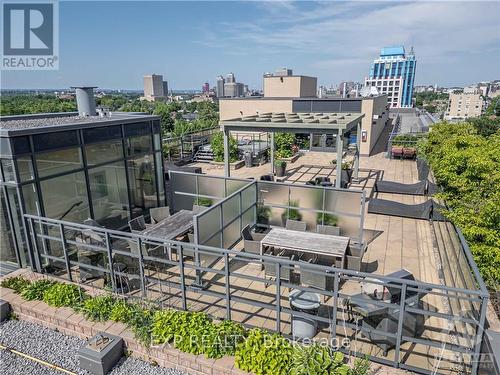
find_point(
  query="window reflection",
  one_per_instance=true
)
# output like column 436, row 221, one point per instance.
column 108, row 187
column 65, row 198
column 99, row 153
column 54, row 162
column 142, row 184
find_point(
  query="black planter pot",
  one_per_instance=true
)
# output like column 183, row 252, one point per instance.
column 280, row 170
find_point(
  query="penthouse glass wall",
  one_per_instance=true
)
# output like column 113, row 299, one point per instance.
column 106, row 171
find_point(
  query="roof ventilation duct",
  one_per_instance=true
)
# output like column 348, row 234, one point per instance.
column 85, row 100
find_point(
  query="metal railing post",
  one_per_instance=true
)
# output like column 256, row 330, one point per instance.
column 141, row 267
column 228, row 287
column 182, row 276
column 38, row 262
column 476, row 357
column 110, row 262
column 333, row 328
column 278, row 297
column 399, row 333
column 65, row 251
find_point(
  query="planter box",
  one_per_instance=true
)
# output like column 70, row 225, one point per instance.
column 232, row 166
column 293, row 158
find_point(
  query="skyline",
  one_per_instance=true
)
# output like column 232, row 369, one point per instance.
column 114, row 44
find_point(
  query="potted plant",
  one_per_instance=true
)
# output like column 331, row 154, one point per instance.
column 323, row 218
column 346, row 171
column 292, row 213
column 263, row 214
column 280, row 167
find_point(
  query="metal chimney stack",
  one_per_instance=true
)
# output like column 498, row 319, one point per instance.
column 85, row 100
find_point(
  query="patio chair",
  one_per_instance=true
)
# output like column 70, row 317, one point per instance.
column 328, row 229
column 354, row 256
column 313, row 278
column 158, row 214
column 270, row 267
column 250, row 244
column 86, row 256
column 138, row 224
column 295, row 225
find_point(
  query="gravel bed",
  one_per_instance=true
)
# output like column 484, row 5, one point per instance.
column 58, row 349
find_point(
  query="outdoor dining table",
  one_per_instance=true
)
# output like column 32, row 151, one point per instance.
column 171, row 227
column 324, row 245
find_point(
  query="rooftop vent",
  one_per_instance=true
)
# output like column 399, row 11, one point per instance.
column 85, row 100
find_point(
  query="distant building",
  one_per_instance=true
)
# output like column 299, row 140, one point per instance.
column 289, row 85
column 165, row 88
column 462, row 106
column 205, row 88
column 230, row 78
column 219, row 89
column 393, row 74
column 154, row 88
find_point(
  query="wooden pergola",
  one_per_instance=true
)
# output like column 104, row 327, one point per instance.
column 309, row 123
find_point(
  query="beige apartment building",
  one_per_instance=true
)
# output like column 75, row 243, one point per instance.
column 463, row 105
column 154, row 88
column 297, row 94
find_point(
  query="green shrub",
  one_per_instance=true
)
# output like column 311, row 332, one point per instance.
column 317, row 359
column 141, row 323
column 98, row 308
column 35, row 290
column 201, row 201
column 64, row 295
column 217, row 145
column 283, row 143
column 361, row 367
column 187, row 330
column 223, row 339
column 264, row 353
column 122, row 311
column 15, row 283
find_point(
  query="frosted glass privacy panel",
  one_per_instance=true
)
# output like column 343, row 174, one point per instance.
column 343, row 201
column 233, row 185
column 248, row 196
column 230, row 208
column 231, row 233
column 211, row 186
column 273, row 193
column 208, row 224
column 307, row 197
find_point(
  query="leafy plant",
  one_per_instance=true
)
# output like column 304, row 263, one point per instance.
column 346, row 165
column 141, row 323
column 223, row 339
column 263, row 214
column 292, row 213
column 284, row 143
column 361, row 367
column 264, row 353
column 122, row 311
column 64, row 295
column 35, row 290
column 317, row 359
column 186, row 329
column 324, row 218
column 217, row 145
column 279, row 163
column 201, row 201
column 16, row 283
column 98, row 308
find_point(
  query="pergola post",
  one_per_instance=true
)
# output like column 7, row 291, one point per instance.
column 272, row 152
column 358, row 149
column 227, row 167
column 338, row 179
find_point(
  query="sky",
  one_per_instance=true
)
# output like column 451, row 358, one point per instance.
column 113, row 44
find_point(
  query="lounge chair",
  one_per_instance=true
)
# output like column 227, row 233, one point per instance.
column 296, row 225
column 250, row 243
column 328, row 229
column 158, row 214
